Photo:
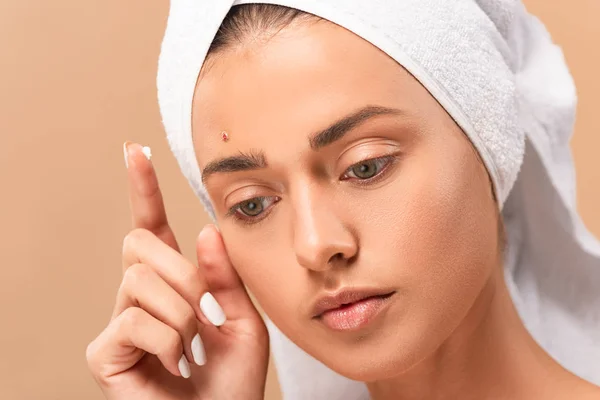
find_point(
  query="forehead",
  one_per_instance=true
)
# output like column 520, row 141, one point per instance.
column 301, row 80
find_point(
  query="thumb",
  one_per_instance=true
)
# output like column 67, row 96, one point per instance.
column 222, row 279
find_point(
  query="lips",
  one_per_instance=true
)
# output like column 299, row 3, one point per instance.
column 346, row 297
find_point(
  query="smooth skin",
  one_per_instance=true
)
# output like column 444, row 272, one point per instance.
column 157, row 313
column 421, row 221
column 425, row 225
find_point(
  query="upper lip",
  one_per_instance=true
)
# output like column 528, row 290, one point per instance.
column 344, row 296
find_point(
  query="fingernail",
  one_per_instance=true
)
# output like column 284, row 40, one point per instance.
column 198, row 350
column 212, row 310
column 184, row 367
column 147, row 152
column 203, row 231
column 125, row 153
column 206, row 228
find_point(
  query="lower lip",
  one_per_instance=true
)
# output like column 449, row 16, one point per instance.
column 356, row 315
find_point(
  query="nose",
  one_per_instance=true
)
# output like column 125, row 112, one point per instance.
column 321, row 238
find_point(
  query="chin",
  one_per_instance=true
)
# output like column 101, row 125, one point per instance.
column 373, row 358
column 377, row 366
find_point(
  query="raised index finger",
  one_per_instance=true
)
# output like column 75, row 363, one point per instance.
column 145, row 199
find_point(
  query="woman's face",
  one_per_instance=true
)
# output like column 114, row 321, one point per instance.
column 342, row 172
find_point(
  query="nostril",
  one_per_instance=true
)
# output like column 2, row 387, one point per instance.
column 336, row 257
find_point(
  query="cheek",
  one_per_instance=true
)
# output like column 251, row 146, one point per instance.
column 439, row 222
column 453, row 246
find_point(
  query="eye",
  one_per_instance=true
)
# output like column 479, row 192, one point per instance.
column 368, row 169
column 251, row 209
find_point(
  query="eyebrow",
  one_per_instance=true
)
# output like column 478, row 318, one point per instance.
column 339, row 128
column 254, row 159
column 242, row 162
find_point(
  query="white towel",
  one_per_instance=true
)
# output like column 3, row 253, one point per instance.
column 495, row 70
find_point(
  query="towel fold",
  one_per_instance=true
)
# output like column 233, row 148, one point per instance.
column 495, row 70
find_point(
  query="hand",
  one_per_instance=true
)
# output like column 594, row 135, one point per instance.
column 166, row 319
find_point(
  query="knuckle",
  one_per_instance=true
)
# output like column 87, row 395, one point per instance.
column 131, row 317
column 134, row 237
column 136, row 275
column 91, row 353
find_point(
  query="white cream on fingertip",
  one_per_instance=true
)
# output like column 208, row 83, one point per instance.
column 212, row 310
column 184, row 367
column 125, row 154
column 147, row 152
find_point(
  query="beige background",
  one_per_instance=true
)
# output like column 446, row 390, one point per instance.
column 77, row 78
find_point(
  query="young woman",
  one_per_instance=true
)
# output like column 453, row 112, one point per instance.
column 380, row 184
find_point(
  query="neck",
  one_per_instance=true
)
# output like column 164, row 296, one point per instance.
column 489, row 356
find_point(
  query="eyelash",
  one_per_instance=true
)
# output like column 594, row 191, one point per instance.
column 246, row 219
column 388, row 161
column 235, row 211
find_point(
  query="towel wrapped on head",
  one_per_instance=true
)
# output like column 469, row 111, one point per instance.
column 494, row 68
